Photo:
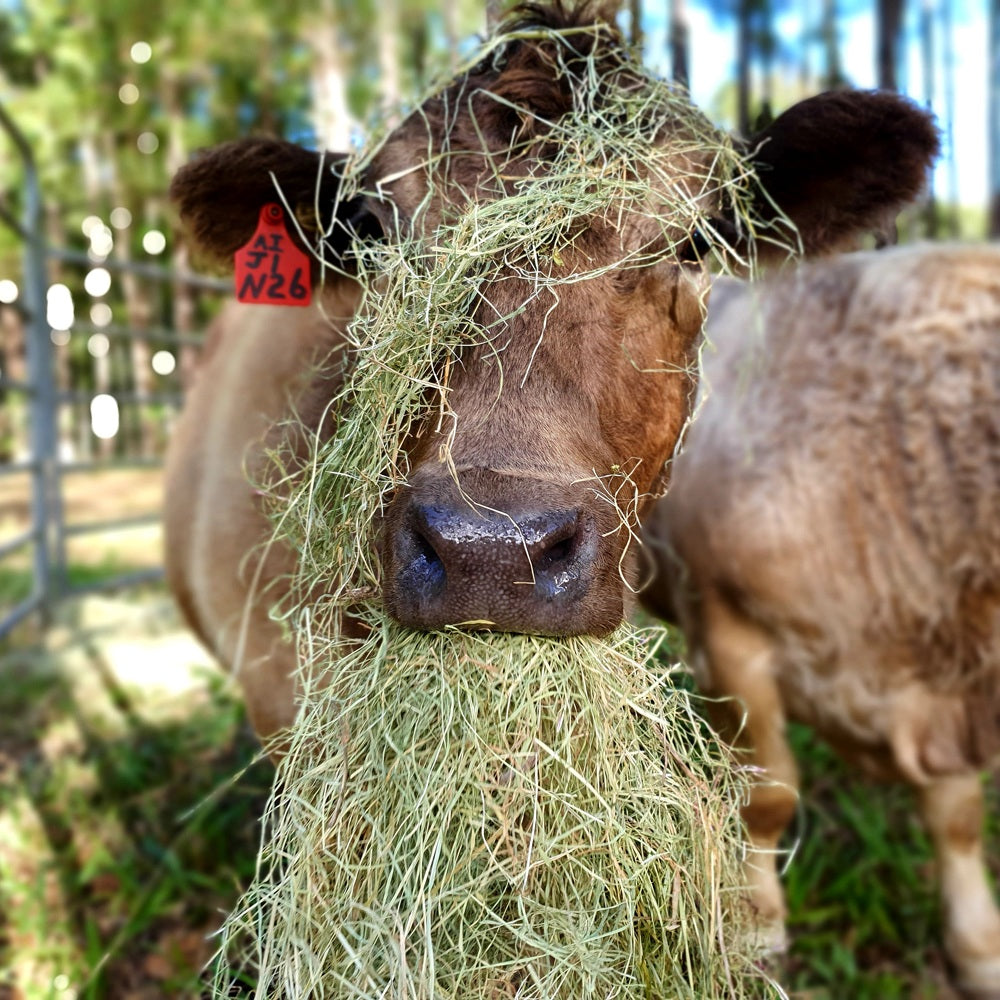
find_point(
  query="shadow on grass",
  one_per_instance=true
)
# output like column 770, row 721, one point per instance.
column 132, row 818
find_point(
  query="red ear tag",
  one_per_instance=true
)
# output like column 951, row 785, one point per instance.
column 271, row 269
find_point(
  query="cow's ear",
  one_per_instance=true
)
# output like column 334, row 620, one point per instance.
column 219, row 195
column 843, row 164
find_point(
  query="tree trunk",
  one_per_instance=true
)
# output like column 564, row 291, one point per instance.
column 834, row 77
column 994, row 120
column 71, row 415
column 635, row 23
column 90, row 167
column 416, row 30
column 138, row 314
column 451, row 31
column 183, row 319
column 331, row 117
column 680, row 44
column 768, row 47
column 888, row 25
column 13, row 425
column 805, row 46
column 927, row 64
column 743, row 14
column 387, row 32
column 267, row 118
column 182, row 295
column 494, row 15
column 948, row 74
column 12, row 347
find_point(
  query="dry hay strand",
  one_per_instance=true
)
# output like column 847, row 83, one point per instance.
column 481, row 815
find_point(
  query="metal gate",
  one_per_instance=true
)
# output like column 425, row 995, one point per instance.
column 45, row 404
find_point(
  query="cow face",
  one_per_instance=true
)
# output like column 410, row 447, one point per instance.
column 522, row 503
column 557, row 418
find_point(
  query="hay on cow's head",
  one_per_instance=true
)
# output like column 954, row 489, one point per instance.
column 480, row 816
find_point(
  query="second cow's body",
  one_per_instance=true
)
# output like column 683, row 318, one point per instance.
column 835, row 537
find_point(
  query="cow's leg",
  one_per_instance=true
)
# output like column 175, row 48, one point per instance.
column 739, row 665
column 952, row 809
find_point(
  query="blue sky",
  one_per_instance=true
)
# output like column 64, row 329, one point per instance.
column 713, row 62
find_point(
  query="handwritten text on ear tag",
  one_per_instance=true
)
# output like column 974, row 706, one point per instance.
column 271, row 269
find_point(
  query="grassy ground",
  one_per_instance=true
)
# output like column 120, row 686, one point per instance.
column 861, row 889
column 129, row 798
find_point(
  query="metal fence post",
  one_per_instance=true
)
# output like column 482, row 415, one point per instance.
column 46, row 399
column 46, row 503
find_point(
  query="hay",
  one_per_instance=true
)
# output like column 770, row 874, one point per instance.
column 478, row 815
column 482, row 816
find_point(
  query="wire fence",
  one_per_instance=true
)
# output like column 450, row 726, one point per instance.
column 87, row 401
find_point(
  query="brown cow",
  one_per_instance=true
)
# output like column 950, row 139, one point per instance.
column 605, row 391
column 834, row 513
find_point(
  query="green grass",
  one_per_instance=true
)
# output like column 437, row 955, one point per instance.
column 128, row 814
column 15, row 586
column 861, row 888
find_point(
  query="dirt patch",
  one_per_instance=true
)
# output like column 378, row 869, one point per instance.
column 95, row 495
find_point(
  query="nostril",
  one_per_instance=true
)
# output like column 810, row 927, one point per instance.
column 562, row 560
column 557, row 554
column 426, row 551
column 424, row 567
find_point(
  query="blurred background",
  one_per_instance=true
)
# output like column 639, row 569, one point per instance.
column 105, row 837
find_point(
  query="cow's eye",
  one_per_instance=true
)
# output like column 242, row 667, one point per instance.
column 695, row 248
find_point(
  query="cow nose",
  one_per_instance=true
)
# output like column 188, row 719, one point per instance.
column 457, row 564
column 544, row 551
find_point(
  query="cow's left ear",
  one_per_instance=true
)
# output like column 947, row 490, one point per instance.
column 843, row 164
column 220, row 193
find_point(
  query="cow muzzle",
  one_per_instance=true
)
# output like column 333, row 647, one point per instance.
column 503, row 553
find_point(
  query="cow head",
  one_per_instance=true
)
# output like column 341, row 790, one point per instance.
column 520, row 505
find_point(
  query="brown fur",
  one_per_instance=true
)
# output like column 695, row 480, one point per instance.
column 835, row 508
column 220, row 193
column 594, row 388
column 808, row 168
column 218, row 565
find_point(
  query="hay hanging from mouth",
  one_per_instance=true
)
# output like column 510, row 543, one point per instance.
column 485, row 816
column 480, row 817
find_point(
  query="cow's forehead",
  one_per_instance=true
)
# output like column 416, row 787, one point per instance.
column 560, row 142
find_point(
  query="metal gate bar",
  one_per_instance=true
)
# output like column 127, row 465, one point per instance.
column 48, row 531
column 46, row 509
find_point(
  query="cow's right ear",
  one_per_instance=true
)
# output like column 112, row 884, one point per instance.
column 220, row 193
column 842, row 164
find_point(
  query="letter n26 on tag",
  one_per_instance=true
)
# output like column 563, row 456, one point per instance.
column 270, row 268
